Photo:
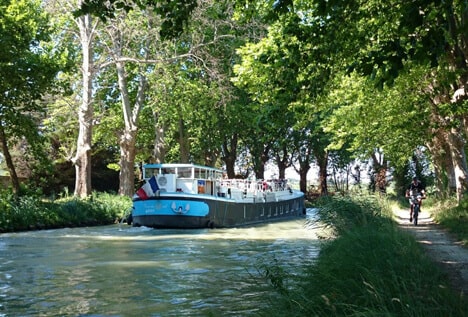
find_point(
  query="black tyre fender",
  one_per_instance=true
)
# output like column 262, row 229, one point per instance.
column 129, row 219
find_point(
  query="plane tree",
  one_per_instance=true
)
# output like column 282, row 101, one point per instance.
column 385, row 40
column 138, row 53
column 175, row 15
column 28, row 66
column 78, row 34
column 384, row 126
column 285, row 73
column 425, row 42
column 196, row 105
column 417, row 34
column 382, row 41
column 396, row 121
column 190, row 106
column 233, row 127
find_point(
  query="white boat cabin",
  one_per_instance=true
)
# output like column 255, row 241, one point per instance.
column 197, row 179
column 187, row 178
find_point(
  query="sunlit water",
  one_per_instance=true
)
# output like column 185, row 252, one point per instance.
column 124, row 271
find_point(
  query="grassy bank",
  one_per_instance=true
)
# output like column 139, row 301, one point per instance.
column 371, row 268
column 30, row 212
column 453, row 217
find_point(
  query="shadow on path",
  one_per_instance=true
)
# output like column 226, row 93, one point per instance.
column 440, row 246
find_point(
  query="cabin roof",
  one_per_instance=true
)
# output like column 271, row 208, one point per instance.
column 174, row 165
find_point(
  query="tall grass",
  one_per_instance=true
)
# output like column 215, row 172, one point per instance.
column 453, row 217
column 371, row 268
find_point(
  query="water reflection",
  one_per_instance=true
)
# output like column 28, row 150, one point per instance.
column 126, row 271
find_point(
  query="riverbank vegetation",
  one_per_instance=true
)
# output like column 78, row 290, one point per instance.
column 371, row 268
column 31, row 212
column 453, row 217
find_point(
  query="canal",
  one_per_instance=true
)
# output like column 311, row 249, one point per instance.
column 119, row 270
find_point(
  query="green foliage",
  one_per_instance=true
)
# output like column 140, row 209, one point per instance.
column 345, row 213
column 30, row 212
column 29, row 64
column 370, row 269
column 392, row 51
column 26, row 60
column 289, row 75
column 174, row 14
column 366, row 118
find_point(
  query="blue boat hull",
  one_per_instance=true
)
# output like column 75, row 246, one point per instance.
column 197, row 211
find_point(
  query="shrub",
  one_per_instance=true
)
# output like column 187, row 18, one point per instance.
column 30, row 212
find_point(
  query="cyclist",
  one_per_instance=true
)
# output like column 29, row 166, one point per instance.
column 415, row 186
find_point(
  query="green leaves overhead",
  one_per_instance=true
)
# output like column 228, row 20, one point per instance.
column 28, row 69
column 365, row 118
column 174, row 13
column 27, row 66
column 304, row 70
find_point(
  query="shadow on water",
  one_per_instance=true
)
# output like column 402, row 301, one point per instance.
column 127, row 271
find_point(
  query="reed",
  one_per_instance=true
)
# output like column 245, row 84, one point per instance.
column 370, row 268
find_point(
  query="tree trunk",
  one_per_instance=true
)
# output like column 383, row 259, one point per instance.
column 443, row 164
column 457, row 151
column 303, row 170
column 322, row 162
column 380, row 166
column 230, row 162
column 303, row 178
column 304, row 157
column 260, row 172
column 381, row 179
column 82, row 159
column 159, row 150
column 9, row 162
column 259, row 158
column 230, row 155
column 128, row 137
column 184, row 145
column 281, row 169
column 127, row 163
column 283, row 163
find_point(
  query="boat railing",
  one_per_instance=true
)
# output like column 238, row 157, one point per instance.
column 254, row 186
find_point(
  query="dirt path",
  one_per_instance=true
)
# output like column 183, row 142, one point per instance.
column 440, row 246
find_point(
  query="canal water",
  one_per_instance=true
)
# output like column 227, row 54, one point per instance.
column 119, row 270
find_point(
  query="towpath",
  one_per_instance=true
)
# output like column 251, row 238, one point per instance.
column 440, row 246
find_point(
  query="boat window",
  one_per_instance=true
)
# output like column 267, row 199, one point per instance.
column 184, row 172
column 168, row 170
column 149, row 172
column 200, row 173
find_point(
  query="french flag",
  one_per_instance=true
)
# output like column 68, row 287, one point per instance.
column 148, row 189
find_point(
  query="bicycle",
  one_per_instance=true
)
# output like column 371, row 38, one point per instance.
column 415, row 201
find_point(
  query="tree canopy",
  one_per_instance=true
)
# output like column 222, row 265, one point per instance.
column 29, row 64
column 243, row 84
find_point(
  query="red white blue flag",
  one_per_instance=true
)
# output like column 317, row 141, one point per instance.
column 148, row 189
